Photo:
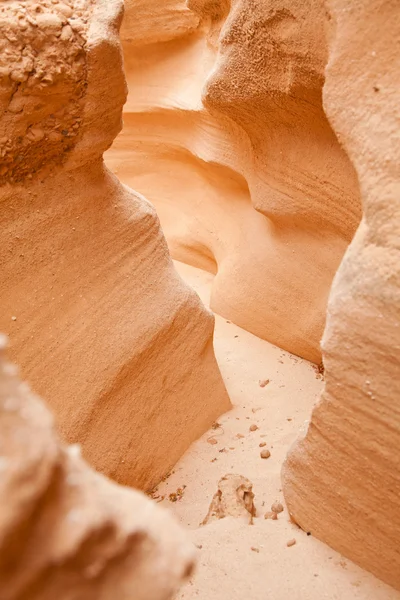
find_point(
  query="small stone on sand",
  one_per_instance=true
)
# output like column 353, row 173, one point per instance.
column 212, row 441
column 290, row 543
column 255, row 549
column 271, row 515
column 253, row 427
column 263, row 382
column 262, row 444
column 265, row 453
column 277, row 507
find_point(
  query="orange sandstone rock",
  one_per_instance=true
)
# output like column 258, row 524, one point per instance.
column 224, row 130
column 102, row 327
column 65, row 530
column 342, row 479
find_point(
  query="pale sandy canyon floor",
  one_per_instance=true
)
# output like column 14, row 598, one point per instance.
column 229, row 569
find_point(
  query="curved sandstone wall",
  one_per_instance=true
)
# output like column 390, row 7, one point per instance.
column 65, row 531
column 342, row 479
column 99, row 321
column 225, row 132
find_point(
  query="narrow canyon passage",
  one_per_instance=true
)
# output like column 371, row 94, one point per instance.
column 238, row 560
column 225, row 133
column 199, row 300
column 240, row 128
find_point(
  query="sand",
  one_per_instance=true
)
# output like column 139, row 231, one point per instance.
column 238, row 560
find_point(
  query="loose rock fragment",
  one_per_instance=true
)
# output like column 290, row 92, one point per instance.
column 277, row 507
column 253, row 427
column 271, row 515
column 291, row 543
column 265, row 453
column 263, row 382
column 234, row 498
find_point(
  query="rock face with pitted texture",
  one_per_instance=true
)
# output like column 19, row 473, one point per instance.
column 99, row 321
column 342, row 479
column 65, row 530
column 225, row 132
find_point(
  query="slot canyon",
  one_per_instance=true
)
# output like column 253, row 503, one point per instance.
column 199, row 299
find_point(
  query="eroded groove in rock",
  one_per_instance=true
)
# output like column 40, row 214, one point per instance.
column 66, row 531
column 342, row 479
column 242, row 93
column 100, row 322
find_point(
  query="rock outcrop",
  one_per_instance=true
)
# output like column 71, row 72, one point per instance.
column 99, row 321
column 225, row 132
column 66, row 532
column 342, row 479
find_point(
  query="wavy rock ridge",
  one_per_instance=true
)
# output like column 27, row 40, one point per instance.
column 98, row 319
column 225, row 132
column 342, row 479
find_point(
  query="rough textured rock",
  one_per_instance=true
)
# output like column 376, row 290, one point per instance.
column 234, row 498
column 342, row 479
column 225, row 132
column 99, row 321
column 66, row 531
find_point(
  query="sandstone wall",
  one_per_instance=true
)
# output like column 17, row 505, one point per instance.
column 65, row 531
column 99, row 321
column 342, row 479
column 225, row 132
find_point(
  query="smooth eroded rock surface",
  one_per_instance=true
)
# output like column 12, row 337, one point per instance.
column 225, row 132
column 342, row 479
column 99, row 321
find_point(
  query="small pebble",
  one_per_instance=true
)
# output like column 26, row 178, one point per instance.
column 263, row 382
column 290, row 543
column 271, row 515
column 212, row 441
column 262, row 444
column 253, row 427
column 199, row 546
column 265, row 453
column 277, row 507
column 13, row 318
column 255, row 549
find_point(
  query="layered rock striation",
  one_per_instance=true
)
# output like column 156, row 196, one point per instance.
column 99, row 321
column 342, row 478
column 225, row 132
